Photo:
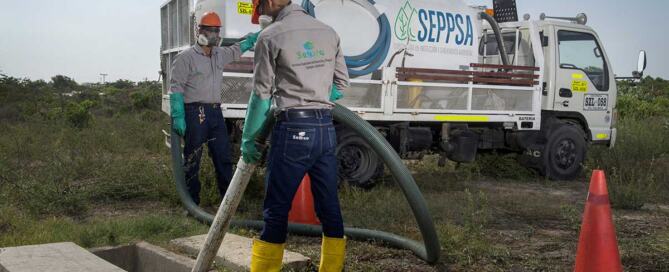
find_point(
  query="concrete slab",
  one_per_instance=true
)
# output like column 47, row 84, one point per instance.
column 58, row 257
column 235, row 252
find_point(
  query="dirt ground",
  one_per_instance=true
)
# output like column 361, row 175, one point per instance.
column 530, row 226
column 533, row 226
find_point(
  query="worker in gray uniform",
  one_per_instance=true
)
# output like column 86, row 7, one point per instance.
column 195, row 100
column 299, row 65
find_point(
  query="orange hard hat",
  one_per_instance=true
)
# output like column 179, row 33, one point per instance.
column 210, row 18
column 255, row 18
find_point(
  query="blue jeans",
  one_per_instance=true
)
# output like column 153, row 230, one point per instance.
column 214, row 133
column 300, row 146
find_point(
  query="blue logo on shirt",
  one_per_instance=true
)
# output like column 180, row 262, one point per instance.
column 309, row 46
column 309, row 51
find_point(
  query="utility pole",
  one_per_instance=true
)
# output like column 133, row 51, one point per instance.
column 104, row 77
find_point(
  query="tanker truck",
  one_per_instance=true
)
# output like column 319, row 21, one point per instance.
column 440, row 77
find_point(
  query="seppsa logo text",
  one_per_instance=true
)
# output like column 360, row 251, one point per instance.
column 445, row 27
column 435, row 26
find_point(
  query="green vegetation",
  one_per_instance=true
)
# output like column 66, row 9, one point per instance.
column 62, row 156
column 637, row 167
column 648, row 98
column 88, row 164
column 95, row 232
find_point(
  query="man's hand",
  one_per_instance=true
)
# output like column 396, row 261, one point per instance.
column 335, row 94
column 249, row 42
column 256, row 115
column 250, row 153
column 179, row 126
column 178, row 113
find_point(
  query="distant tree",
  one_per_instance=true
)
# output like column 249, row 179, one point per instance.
column 148, row 84
column 64, row 83
column 37, row 85
column 123, row 84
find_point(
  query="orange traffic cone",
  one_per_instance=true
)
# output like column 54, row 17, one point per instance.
column 302, row 211
column 597, row 245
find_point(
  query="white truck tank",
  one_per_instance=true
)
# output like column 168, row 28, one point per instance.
column 439, row 34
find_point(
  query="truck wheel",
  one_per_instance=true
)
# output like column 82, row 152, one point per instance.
column 357, row 162
column 564, row 153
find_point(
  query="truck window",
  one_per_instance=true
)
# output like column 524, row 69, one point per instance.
column 489, row 42
column 580, row 51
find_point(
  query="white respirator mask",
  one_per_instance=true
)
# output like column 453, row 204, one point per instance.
column 265, row 21
column 209, row 39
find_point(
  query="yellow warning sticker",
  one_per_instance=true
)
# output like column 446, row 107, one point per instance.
column 577, row 76
column 602, row 136
column 245, row 8
column 579, row 85
column 461, row 118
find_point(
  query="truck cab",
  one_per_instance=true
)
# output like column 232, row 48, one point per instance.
column 582, row 85
column 579, row 81
column 578, row 96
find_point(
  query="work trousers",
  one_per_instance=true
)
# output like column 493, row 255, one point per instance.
column 299, row 146
column 205, row 125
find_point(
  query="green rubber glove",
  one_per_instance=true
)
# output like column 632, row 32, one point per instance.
column 256, row 115
column 249, row 42
column 335, row 94
column 178, row 113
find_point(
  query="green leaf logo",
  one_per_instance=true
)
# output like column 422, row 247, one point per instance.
column 403, row 21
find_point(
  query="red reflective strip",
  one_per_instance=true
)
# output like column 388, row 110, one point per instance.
column 597, row 200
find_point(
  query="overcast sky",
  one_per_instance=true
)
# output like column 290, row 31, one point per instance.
column 81, row 39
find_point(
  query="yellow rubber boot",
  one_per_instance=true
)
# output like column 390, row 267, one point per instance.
column 266, row 257
column 333, row 253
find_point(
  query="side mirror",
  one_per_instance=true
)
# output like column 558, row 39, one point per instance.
column 641, row 65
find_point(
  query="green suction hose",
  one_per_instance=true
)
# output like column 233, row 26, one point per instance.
column 428, row 250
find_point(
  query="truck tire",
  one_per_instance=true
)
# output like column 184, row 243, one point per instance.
column 358, row 164
column 564, row 152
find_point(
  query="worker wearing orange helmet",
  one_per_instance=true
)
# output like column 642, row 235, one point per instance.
column 195, row 100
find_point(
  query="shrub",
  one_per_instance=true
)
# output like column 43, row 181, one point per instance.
column 631, row 106
column 647, row 98
column 78, row 115
column 631, row 187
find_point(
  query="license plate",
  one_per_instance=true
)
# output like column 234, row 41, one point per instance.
column 596, row 102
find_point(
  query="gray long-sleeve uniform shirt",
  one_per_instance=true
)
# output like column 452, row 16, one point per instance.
column 200, row 77
column 297, row 59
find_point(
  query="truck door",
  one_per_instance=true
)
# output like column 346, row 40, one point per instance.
column 583, row 80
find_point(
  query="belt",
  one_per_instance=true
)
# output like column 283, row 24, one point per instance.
column 198, row 104
column 304, row 113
